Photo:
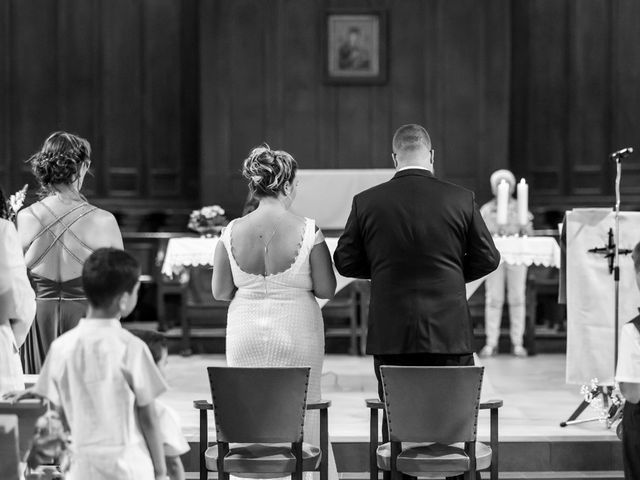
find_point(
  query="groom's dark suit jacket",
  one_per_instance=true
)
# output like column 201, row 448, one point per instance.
column 419, row 240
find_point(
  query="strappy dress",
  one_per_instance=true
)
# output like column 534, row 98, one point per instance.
column 59, row 304
column 274, row 320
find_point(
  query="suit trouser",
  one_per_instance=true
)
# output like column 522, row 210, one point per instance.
column 420, row 360
column 631, row 440
column 514, row 277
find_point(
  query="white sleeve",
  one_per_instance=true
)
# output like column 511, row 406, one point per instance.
column 16, row 293
column 628, row 370
column 319, row 238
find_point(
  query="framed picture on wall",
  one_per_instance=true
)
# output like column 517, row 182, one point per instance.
column 355, row 46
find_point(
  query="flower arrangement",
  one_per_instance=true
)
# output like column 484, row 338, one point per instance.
column 606, row 401
column 14, row 204
column 208, row 220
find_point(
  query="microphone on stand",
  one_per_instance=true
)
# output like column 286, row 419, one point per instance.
column 625, row 152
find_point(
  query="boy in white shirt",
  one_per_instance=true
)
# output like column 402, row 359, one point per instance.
column 104, row 380
column 173, row 440
column 628, row 377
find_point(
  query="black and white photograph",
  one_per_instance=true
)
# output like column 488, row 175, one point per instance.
column 319, row 239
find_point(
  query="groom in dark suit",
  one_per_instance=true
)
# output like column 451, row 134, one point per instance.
column 419, row 239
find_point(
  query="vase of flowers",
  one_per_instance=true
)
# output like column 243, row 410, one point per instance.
column 208, row 221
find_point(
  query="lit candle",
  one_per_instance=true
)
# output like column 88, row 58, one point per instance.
column 523, row 203
column 503, row 203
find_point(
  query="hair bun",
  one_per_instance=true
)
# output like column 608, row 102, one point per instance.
column 268, row 170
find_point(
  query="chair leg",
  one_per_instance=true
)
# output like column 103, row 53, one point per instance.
column 223, row 450
column 297, row 451
column 494, row 443
column 204, row 444
column 324, row 444
column 396, row 447
column 373, row 444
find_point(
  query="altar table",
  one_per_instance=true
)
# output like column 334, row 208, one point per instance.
column 193, row 251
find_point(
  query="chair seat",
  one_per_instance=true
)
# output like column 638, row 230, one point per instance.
column 419, row 458
column 254, row 460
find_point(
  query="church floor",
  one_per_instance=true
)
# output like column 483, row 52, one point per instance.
column 536, row 397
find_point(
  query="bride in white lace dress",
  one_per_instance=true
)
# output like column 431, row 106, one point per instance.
column 272, row 264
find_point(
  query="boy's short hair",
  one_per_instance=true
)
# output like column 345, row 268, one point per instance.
column 636, row 257
column 156, row 341
column 107, row 274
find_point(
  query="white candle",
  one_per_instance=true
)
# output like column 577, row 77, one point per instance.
column 503, row 203
column 523, row 203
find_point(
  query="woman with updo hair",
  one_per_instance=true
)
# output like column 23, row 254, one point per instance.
column 271, row 264
column 58, row 233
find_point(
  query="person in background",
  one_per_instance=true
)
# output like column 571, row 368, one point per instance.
column 513, row 277
column 104, row 381
column 628, row 377
column 58, row 233
column 173, row 441
column 17, row 305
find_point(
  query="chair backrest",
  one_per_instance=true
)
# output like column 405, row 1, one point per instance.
column 9, row 456
column 261, row 405
column 27, row 411
column 432, row 404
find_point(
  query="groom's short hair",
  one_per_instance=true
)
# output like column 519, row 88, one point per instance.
column 410, row 137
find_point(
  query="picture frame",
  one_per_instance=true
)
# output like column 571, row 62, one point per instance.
column 355, row 46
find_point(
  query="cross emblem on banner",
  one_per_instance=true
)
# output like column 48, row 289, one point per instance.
column 609, row 250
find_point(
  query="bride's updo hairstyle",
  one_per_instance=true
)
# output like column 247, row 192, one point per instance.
column 268, row 170
column 59, row 160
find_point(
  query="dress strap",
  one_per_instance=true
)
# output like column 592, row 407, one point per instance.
column 57, row 237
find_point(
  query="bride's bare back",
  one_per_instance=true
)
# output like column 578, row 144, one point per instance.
column 265, row 242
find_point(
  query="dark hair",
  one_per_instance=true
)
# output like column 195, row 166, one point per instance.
column 268, row 170
column 59, row 160
column 156, row 341
column 4, row 208
column 636, row 257
column 410, row 137
column 107, row 274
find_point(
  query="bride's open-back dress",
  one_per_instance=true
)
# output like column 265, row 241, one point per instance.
column 274, row 320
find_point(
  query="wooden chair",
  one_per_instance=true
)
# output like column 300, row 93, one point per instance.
column 432, row 404
column 28, row 412
column 259, row 416
column 343, row 306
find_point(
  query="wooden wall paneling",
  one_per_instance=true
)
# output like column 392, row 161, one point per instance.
column 519, row 139
column 189, row 160
column 214, row 99
column 122, row 25
column 78, row 37
column 300, row 73
column 5, row 97
column 431, row 100
column 34, row 82
column 406, row 72
column 589, row 97
column 495, row 92
column 547, row 106
column 626, row 97
column 275, row 23
column 353, row 127
column 161, row 132
column 460, row 37
column 247, row 87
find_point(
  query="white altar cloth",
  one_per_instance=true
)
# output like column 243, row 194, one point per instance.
column 543, row 251
column 193, row 251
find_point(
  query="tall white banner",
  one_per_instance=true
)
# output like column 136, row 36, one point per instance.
column 591, row 291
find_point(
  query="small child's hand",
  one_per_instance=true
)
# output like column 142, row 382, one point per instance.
column 19, row 395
